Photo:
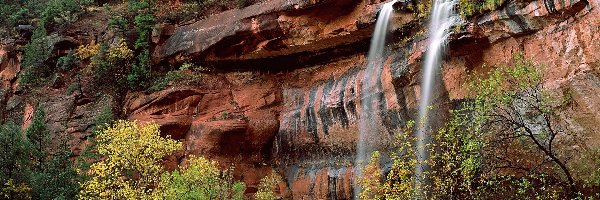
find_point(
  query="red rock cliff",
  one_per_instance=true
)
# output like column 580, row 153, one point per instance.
column 287, row 94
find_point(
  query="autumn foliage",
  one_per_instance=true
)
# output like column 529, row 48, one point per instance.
column 130, row 168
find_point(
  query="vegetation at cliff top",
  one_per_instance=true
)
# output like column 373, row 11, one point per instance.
column 466, row 8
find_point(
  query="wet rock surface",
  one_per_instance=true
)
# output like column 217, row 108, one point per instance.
column 294, row 106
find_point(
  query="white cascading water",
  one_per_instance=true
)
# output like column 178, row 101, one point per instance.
column 442, row 19
column 370, row 122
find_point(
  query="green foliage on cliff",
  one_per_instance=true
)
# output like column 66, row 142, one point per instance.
column 50, row 13
column 200, row 179
column 57, row 178
column 454, row 165
column 144, row 22
column 67, row 62
column 30, row 167
column 59, row 12
column 38, row 134
column 35, row 53
column 52, row 173
column 14, row 160
column 500, row 144
column 267, row 186
column 178, row 77
column 468, row 8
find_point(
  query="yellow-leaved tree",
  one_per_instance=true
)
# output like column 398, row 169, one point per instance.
column 200, row 179
column 267, row 187
column 130, row 166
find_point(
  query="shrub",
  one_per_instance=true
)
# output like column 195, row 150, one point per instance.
column 67, row 62
column 72, row 88
column 12, row 190
column 19, row 17
column 87, row 51
column 131, row 168
column 266, row 187
column 200, row 179
column 59, row 12
column 107, row 63
column 118, row 23
column 119, row 52
column 171, row 78
column 469, row 8
column 224, row 115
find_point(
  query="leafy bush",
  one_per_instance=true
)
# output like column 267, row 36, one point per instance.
column 131, row 168
column 19, row 17
column 107, row 63
column 200, row 179
column 224, row 115
column 118, row 23
column 12, row 190
column 468, row 8
column 72, row 88
column 88, row 51
column 67, row 62
column 59, row 12
column 266, row 187
column 172, row 78
column 119, row 52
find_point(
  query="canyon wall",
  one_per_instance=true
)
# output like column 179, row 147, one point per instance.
column 286, row 88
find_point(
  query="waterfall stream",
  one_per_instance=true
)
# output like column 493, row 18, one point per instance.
column 442, row 18
column 370, row 126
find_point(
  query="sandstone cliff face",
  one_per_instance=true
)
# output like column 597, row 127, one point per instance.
column 288, row 92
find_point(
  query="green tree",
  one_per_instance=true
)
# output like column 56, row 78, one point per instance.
column 144, row 22
column 14, row 163
column 514, row 107
column 200, row 179
column 52, row 174
column 57, row 179
column 38, row 136
column 36, row 52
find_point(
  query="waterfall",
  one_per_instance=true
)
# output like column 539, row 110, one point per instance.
column 370, row 126
column 442, row 18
